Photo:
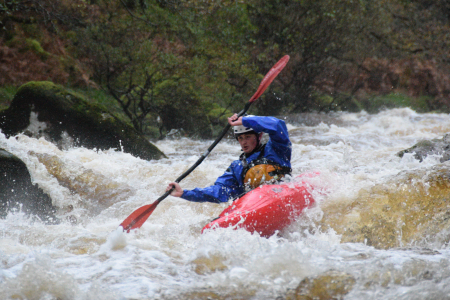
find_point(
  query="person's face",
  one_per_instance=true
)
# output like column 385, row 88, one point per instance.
column 248, row 142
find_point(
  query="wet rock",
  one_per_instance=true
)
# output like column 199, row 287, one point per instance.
column 223, row 294
column 430, row 147
column 17, row 192
column 330, row 285
column 412, row 208
column 68, row 117
column 211, row 264
column 98, row 191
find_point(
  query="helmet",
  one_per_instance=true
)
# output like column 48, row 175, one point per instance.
column 240, row 129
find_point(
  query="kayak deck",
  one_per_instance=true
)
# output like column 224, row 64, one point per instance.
column 266, row 209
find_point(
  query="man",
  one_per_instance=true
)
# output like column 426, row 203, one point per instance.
column 258, row 164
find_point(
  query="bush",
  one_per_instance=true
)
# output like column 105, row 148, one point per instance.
column 394, row 100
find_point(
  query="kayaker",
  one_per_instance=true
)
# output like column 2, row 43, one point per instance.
column 259, row 163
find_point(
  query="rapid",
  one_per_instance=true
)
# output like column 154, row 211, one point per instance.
column 379, row 218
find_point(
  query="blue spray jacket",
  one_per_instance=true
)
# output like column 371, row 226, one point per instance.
column 230, row 185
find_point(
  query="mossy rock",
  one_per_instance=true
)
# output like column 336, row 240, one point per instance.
column 88, row 125
column 17, row 192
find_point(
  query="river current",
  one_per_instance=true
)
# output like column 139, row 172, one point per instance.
column 368, row 221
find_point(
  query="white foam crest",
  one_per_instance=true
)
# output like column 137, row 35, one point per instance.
column 116, row 240
column 38, row 278
column 94, row 258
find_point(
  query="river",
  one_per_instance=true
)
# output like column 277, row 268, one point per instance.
column 384, row 249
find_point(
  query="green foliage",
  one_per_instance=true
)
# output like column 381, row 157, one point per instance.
column 99, row 97
column 9, row 6
column 171, row 64
column 337, row 102
column 152, row 132
column 395, row 100
column 36, row 47
column 141, row 58
column 347, row 102
column 6, row 95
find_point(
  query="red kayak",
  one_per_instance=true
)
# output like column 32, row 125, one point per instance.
column 268, row 208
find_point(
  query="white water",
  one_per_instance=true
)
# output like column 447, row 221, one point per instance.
column 163, row 259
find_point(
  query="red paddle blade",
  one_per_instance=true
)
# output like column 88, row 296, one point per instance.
column 138, row 217
column 270, row 76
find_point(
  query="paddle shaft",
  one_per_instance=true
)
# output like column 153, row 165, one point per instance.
column 192, row 168
column 219, row 138
column 204, row 155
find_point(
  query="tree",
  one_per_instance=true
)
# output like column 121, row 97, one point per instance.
column 323, row 37
column 142, row 53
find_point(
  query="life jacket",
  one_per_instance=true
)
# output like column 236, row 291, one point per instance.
column 262, row 170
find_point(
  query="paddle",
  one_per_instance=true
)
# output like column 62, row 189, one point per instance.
column 140, row 215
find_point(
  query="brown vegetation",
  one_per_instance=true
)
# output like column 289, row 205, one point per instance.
column 25, row 59
column 414, row 77
column 177, row 61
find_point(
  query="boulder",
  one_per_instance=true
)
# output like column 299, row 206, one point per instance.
column 97, row 191
column 430, row 147
column 17, row 192
column 410, row 208
column 329, row 285
column 67, row 116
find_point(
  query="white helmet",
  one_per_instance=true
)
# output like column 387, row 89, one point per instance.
column 240, row 129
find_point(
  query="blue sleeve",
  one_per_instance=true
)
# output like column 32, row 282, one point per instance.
column 276, row 128
column 225, row 187
column 279, row 147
